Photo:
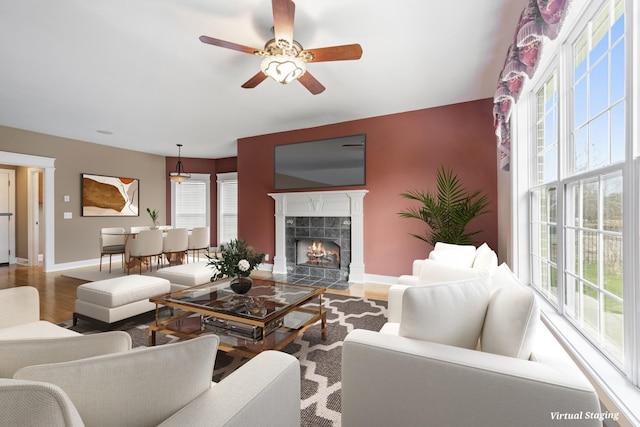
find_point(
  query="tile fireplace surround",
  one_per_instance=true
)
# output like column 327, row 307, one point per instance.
column 318, row 204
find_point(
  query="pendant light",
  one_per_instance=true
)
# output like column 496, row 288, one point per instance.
column 179, row 175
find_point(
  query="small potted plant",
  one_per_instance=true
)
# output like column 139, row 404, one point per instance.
column 154, row 217
column 236, row 260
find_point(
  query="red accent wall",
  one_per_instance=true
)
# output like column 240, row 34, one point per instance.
column 210, row 166
column 403, row 153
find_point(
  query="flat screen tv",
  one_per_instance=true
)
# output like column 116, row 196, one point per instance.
column 321, row 163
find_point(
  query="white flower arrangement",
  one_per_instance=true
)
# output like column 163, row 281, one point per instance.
column 243, row 265
column 236, row 258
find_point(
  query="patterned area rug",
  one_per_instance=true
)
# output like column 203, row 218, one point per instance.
column 320, row 360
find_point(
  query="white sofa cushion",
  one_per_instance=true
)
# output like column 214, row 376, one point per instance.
column 37, row 329
column 18, row 353
column 512, row 318
column 113, row 390
column 192, row 274
column 442, row 246
column 486, row 259
column 119, row 291
column 437, row 272
column 446, row 313
column 454, row 255
column 503, row 276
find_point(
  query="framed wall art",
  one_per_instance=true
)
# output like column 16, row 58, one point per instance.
column 109, row 196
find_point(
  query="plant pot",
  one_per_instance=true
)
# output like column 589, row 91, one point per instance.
column 241, row 285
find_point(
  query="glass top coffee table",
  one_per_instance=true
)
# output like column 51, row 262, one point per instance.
column 270, row 316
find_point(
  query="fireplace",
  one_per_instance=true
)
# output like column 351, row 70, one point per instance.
column 318, row 253
column 318, row 247
column 328, row 216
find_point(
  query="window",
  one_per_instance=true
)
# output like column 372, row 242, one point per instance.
column 593, row 268
column 599, row 90
column 593, row 199
column 227, row 207
column 190, row 202
column 579, row 143
column 543, row 194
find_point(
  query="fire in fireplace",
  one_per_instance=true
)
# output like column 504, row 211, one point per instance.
column 318, row 253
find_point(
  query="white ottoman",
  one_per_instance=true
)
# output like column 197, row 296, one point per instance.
column 185, row 275
column 109, row 301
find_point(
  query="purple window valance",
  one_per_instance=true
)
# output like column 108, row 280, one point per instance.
column 539, row 19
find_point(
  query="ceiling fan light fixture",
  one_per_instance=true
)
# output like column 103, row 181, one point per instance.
column 179, row 175
column 283, row 68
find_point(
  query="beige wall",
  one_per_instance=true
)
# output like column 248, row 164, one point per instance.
column 76, row 239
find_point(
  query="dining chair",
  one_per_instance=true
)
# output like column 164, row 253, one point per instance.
column 198, row 241
column 112, row 241
column 147, row 244
column 135, row 230
column 175, row 243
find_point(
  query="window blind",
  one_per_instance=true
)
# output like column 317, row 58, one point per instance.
column 228, row 210
column 191, row 204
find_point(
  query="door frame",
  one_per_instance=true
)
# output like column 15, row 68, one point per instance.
column 12, row 209
column 34, row 228
column 46, row 164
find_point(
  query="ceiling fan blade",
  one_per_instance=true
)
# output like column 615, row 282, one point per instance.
column 336, row 53
column 283, row 16
column 310, row 82
column 255, row 80
column 229, row 45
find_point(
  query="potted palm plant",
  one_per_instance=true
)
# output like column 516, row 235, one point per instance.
column 447, row 211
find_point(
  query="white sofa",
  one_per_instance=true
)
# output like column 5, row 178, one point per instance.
column 447, row 262
column 465, row 353
column 20, row 316
column 168, row 385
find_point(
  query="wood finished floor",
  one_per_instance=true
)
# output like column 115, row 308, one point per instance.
column 58, row 293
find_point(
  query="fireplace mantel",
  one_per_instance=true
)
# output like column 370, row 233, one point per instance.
column 322, row 203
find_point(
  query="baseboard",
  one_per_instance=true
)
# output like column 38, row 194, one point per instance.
column 265, row 267
column 75, row 264
column 379, row 279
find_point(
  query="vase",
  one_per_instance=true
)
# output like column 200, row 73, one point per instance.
column 241, row 285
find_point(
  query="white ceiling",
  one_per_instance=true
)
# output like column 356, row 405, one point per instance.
column 137, row 69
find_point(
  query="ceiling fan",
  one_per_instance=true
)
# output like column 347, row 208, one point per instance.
column 284, row 58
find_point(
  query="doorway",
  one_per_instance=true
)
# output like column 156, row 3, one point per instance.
column 47, row 165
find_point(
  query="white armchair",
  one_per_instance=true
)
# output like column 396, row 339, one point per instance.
column 168, row 385
column 20, row 316
column 446, row 263
column 18, row 353
column 36, row 404
column 467, row 353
